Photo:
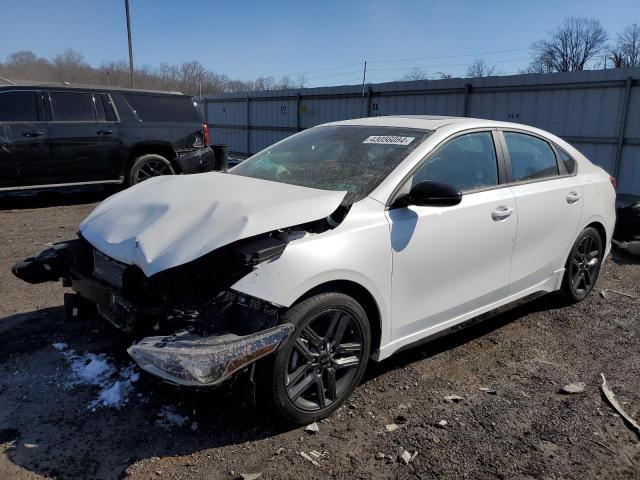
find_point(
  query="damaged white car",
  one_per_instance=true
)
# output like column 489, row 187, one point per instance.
column 344, row 243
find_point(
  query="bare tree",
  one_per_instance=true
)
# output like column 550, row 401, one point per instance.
column 25, row 64
column 71, row 67
column 416, row 74
column 479, row 68
column 575, row 43
column 626, row 52
column 443, row 76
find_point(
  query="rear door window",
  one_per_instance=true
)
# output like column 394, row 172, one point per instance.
column 72, row 107
column 18, row 106
column 531, row 157
column 162, row 108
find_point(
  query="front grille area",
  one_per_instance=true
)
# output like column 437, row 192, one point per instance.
column 108, row 270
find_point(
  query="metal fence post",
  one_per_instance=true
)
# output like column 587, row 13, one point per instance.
column 298, row 112
column 622, row 125
column 467, row 94
column 248, row 149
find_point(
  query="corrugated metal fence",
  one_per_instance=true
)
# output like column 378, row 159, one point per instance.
column 597, row 111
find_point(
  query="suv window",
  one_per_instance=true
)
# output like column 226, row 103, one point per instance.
column 569, row 163
column 109, row 109
column 531, row 158
column 162, row 108
column 72, row 107
column 467, row 162
column 18, row 106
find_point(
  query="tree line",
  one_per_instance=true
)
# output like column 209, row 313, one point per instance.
column 578, row 43
column 190, row 77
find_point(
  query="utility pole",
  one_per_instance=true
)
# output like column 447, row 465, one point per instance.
column 364, row 78
column 126, row 7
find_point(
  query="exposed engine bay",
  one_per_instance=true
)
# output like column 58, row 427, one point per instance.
column 202, row 330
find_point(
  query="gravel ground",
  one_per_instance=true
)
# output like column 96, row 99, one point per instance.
column 525, row 429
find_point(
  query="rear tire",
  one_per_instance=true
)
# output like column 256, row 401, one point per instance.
column 583, row 265
column 148, row 166
column 323, row 360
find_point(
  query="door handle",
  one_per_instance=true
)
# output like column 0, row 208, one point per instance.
column 104, row 132
column 573, row 197
column 501, row 213
column 32, row 134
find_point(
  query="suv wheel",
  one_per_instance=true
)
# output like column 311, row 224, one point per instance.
column 147, row 166
column 583, row 265
column 323, row 360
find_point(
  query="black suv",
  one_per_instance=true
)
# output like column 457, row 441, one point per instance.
column 68, row 135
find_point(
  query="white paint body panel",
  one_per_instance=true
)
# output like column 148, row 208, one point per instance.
column 426, row 268
column 449, row 260
column 168, row 221
column 463, row 270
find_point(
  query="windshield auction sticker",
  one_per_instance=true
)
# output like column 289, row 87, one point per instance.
column 389, row 140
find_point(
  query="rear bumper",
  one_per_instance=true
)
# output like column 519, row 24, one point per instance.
column 201, row 160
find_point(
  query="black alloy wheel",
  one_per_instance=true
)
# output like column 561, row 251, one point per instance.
column 583, row 265
column 149, row 166
column 323, row 360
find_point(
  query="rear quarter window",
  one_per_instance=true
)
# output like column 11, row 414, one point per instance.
column 157, row 108
column 569, row 163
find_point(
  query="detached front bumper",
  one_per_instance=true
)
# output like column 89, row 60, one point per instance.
column 198, row 361
column 239, row 331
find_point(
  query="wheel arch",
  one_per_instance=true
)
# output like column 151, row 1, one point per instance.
column 601, row 231
column 159, row 148
column 359, row 293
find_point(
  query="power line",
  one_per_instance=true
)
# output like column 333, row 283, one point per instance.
column 447, row 65
column 451, row 56
column 478, row 54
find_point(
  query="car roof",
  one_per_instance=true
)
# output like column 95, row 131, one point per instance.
column 22, row 85
column 430, row 122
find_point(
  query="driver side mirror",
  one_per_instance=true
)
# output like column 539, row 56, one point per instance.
column 429, row 193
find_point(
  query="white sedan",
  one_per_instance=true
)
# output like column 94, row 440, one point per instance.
column 345, row 243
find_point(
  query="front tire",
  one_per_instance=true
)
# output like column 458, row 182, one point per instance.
column 323, row 360
column 583, row 265
column 148, row 166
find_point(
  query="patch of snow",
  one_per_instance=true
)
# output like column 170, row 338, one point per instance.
column 169, row 418
column 91, row 369
column 60, row 346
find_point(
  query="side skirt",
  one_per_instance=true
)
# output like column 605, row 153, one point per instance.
column 551, row 284
column 473, row 321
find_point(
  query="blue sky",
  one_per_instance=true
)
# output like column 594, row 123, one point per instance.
column 247, row 39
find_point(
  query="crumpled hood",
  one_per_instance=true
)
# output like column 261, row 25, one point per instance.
column 168, row 221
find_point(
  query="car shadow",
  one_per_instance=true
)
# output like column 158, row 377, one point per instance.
column 431, row 348
column 54, row 197
column 52, row 430
column 623, row 258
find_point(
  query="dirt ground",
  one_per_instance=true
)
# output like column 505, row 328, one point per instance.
column 525, row 429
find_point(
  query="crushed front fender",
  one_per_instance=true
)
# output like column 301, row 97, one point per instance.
column 201, row 361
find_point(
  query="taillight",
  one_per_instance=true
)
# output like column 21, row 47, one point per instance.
column 614, row 182
column 205, row 133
